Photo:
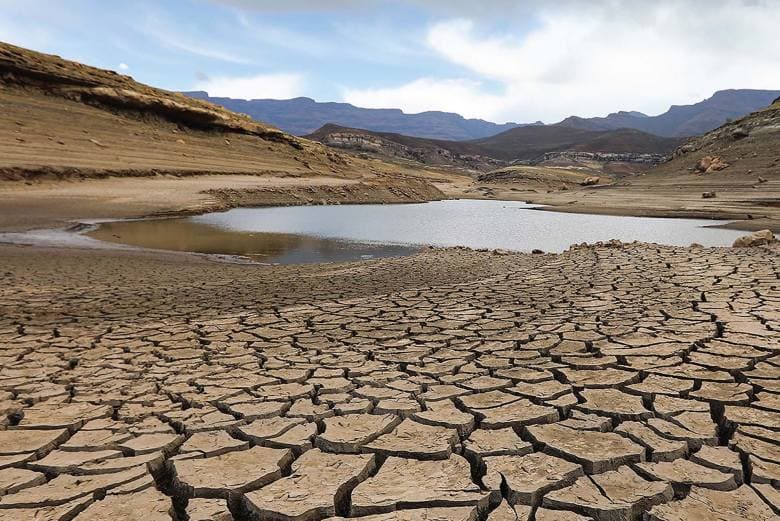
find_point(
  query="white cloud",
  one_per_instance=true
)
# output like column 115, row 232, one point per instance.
column 591, row 58
column 123, row 66
column 169, row 34
column 262, row 86
column 450, row 95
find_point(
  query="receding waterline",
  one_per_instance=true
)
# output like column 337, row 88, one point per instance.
column 349, row 232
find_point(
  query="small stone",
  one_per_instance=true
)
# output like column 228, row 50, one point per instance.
column 759, row 238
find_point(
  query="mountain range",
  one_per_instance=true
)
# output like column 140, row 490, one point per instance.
column 302, row 116
column 684, row 120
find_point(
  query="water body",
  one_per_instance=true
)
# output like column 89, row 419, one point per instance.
column 350, row 232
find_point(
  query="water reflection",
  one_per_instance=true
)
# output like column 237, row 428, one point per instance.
column 282, row 248
column 473, row 223
column 348, row 232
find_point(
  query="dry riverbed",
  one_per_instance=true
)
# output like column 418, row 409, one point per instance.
column 604, row 383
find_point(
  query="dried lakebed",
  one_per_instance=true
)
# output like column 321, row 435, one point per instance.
column 351, row 232
column 610, row 383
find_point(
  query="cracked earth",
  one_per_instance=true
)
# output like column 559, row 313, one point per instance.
column 607, row 383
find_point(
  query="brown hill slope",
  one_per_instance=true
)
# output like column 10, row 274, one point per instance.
column 528, row 143
column 65, row 118
column 61, row 120
column 749, row 147
column 743, row 185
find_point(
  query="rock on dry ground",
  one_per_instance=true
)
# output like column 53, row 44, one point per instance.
column 606, row 383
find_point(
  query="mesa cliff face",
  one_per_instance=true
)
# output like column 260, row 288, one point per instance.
column 302, row 116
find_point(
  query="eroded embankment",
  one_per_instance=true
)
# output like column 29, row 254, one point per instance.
column 56, row 204
column 402, row 191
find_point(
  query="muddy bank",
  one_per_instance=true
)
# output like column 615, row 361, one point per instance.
column 739, row 221
column 748, row 207
column 52, row 204
column 402, row 191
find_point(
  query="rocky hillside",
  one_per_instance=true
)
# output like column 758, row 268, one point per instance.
column 684, row 120
column 406, row 148
column 63, row 119
column 531, row 143
column 23, row 68
column 526, row 144
column 301, row 116
column 744, row 151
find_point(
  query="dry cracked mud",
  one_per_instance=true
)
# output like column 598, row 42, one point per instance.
column 623, row 383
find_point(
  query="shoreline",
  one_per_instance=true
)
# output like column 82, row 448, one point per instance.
column 735, row 223
column 79, row 234
column 59, row 204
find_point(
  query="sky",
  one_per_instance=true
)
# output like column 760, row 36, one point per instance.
column 500, row 60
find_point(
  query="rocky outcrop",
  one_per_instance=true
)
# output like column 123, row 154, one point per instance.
column 759, row 238
column 710, row 164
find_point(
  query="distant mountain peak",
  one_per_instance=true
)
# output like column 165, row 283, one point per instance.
column 634, row 113
column 302, row 116
column 684, row 120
